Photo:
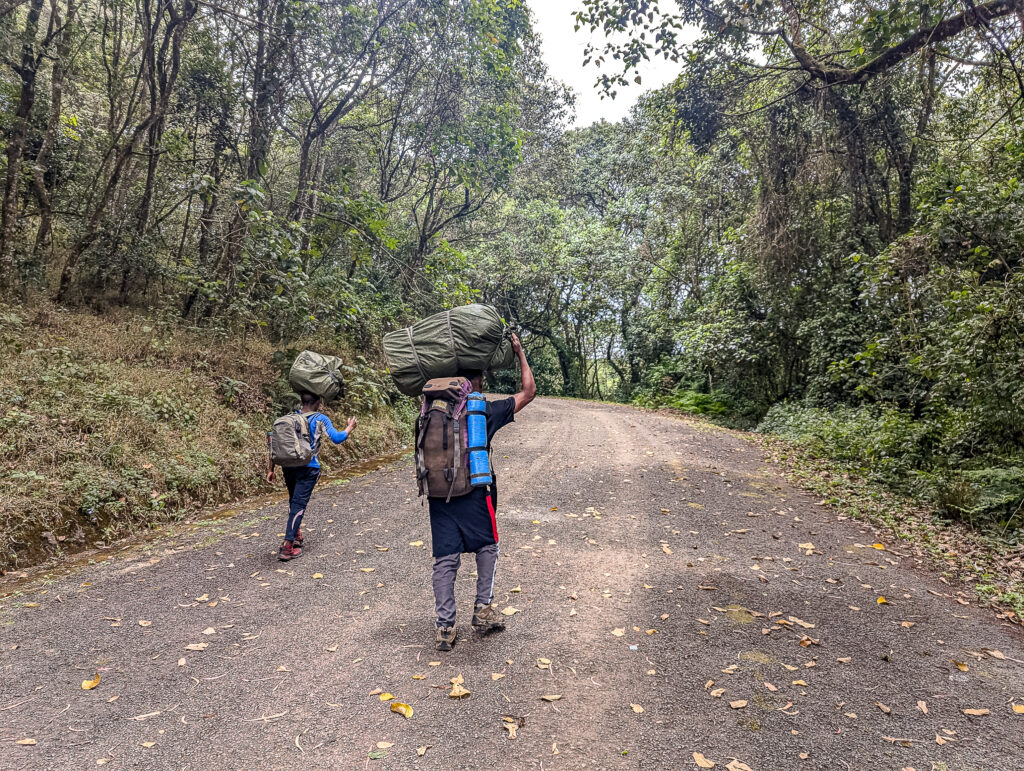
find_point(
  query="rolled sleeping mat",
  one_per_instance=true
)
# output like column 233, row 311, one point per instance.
column 476, row 425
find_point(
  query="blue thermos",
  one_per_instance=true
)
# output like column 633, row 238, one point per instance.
column 476, row 420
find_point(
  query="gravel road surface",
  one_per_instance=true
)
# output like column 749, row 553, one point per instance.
column 672, row 595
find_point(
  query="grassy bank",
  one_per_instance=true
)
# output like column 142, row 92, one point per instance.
column 115, row 423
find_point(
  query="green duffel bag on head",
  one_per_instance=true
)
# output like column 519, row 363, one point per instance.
column 470, row 337
column 318, row 374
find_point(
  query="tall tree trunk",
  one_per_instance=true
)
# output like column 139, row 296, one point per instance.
column 16, row 138
column 42, row 190
column 266, row 83
column 166, row 64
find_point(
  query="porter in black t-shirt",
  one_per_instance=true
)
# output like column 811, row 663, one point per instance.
column 467, row 523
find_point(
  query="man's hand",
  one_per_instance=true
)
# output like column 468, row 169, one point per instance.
column 352, row 423
column 270, row 476
column 529, row 389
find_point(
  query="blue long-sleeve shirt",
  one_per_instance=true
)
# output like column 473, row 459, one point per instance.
column 332, row 433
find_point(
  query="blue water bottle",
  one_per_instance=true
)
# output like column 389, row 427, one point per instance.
column 476, row 420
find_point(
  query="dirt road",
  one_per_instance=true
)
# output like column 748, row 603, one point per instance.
column 673, row 592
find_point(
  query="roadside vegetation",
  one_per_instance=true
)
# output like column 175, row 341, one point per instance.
column 125, row 422
column 816, row 230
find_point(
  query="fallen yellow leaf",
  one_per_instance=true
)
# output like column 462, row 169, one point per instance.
column 88, row 685
column 458, row 692
column 552, row 697
column 619, row 631
column 421, row 751
column 738, row 704
column 318, row 575
column 386, row 697
column 1019, row 709
column 384, row 745
column 976, row 712
column 509, row 611
column 417, row 544
column 496, row 675
column 147, row 745
column 26, row 742
column 145, row 623
column 364, row 570
column 882, row 601
column 419, row 677
column 636, row 708
column 702, row 762
column 402, row 709
column 736, row 765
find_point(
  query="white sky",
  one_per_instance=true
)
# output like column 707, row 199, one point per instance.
column 563, row 51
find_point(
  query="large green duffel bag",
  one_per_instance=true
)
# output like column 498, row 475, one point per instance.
column 467, row 337
column 318, row 374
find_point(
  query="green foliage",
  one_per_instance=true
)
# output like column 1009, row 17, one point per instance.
column 104, row 432
column 912, row 456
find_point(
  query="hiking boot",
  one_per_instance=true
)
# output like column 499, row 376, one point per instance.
column 288, row 551
column 445, row 638
column 486, row 619
column 298, row 538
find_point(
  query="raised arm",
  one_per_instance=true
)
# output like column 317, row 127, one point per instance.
column 334, row 434
column 529, row 388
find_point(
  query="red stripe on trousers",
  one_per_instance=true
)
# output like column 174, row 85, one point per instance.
column 494, row 521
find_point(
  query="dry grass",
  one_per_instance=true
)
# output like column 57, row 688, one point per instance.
column 123, row 421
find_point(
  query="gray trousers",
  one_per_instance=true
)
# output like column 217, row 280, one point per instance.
column 446, row 569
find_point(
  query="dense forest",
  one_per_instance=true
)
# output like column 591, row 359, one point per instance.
column 815, row 229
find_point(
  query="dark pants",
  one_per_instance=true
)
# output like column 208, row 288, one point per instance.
column 301, row 482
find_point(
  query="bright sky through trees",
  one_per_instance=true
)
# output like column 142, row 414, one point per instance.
column 563, row 51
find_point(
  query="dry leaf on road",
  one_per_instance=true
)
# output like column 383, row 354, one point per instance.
column 702, row 762
column 88, row 685
column 402, row 709
column 552, row 697
column 458, row 692
column 636, row 708
column 736, row 765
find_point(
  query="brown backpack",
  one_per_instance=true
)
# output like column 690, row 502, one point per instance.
column 442, row 455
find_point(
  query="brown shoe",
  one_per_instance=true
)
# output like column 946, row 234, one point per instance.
column 445, row 638
column 486, row 619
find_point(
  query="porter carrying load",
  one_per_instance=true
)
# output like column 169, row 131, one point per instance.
column 470, row 337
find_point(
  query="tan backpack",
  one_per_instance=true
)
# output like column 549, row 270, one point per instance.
column 442, row 455
column 291, row 443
